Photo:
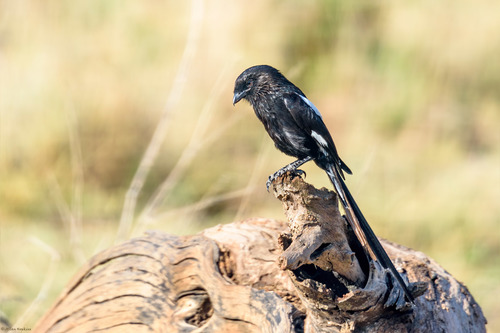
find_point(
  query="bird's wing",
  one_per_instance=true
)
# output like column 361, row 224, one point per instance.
column 309, row 119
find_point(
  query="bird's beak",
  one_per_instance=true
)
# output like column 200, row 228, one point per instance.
column 238, row 96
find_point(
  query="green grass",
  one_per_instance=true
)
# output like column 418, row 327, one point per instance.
column 409, row 92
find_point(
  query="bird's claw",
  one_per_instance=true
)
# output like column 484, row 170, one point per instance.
column 268, row 183
column 299, row 173
column 281, row 172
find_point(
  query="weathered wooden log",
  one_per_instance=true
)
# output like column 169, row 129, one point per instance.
column 262, row 275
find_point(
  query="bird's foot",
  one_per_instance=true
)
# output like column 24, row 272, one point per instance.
column 281, row 172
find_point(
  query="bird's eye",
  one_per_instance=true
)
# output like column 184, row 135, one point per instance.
column 249, row 84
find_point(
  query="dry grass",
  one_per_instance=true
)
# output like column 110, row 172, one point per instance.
column 123, row 108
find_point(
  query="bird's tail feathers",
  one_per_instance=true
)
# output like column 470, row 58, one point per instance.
column 345, row 168
column 362, row 229
column 344, row 196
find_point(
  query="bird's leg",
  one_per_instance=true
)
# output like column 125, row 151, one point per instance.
column 292, row 167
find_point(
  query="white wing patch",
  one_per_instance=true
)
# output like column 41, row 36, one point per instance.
column 319, row 139
column 311, row 105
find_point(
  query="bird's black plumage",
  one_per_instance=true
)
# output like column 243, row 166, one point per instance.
column 297, row 129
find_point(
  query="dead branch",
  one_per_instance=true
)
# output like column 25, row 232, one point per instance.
column 261, row 275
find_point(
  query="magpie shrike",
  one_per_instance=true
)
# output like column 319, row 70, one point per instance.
column 297, row 129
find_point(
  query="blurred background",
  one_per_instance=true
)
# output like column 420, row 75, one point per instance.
column 116, row 118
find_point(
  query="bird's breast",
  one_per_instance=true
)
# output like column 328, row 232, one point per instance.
column 288, row 137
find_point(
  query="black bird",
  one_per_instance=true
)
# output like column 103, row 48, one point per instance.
column 298, row 130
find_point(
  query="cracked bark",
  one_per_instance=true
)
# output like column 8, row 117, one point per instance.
column 261, row 275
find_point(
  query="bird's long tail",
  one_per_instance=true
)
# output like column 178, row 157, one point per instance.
column 362, row 229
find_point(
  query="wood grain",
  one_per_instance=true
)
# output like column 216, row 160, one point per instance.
column 260, row 275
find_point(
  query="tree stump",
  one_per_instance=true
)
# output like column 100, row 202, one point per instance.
column 261, row 275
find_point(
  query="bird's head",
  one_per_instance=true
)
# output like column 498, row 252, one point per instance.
column 254, row 81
